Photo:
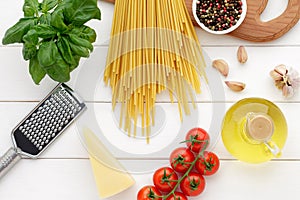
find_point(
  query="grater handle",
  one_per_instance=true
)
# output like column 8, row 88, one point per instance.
column 8, row 160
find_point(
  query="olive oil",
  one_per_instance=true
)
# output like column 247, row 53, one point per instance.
column 234, row 130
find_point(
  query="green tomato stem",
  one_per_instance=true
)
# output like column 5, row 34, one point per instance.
column 200, row 154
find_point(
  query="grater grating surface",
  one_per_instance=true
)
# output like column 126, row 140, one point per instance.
column 43, row 125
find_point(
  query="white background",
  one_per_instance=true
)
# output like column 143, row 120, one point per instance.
column 64, row 172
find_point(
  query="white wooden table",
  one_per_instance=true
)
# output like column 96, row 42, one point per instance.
column 64, row 172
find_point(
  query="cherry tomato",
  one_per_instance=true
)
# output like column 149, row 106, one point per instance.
column 197, row 139
column 181, row 159
column 165, row 179
column 208, row 165
column 149, row 192
column 193, row 184
column 178, row 196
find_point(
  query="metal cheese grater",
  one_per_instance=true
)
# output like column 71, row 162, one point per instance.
column 42, row 125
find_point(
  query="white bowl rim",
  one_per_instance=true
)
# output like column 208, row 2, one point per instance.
column 239, row 22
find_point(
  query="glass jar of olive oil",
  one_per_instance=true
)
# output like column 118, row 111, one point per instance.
column 254, row 130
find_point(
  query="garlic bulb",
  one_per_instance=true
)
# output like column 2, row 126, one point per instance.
column 286, row 80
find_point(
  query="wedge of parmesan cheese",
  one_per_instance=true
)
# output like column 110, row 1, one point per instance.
column 111, row 177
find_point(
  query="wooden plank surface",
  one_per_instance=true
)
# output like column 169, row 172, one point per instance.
column 262, row 59
column 72, row 179
column 64, row 172
column 253, row 28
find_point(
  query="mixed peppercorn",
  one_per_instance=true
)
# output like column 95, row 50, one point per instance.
column 219, row 15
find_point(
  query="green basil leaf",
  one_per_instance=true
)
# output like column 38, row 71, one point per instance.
column 57, row 20
column 31, row 37
column 54, row 36
column 47, row 53
column 79, row 50
column 65, row 50
column 76, row 63
column 45, row 18
column 79, row 12
column 47, row 5
column 45, row 31
column 81, row 42
column 59, row 71
column 36, row 71
column 28, row 51
column 85, row 32
column 31, row 8
column 15, row 33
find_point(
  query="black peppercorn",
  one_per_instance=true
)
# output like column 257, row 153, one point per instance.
column 219, row 15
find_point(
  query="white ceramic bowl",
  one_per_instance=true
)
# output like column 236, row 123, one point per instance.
column 239, row 22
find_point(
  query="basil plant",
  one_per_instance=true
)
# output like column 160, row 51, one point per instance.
column 54, row 36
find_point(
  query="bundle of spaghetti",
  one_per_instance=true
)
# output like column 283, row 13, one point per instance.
column 153, row 47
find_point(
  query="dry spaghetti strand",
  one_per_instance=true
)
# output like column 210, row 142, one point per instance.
column 153, row 48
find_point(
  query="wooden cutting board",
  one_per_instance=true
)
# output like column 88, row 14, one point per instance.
column 253, row 29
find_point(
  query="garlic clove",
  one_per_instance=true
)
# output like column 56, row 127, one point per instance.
column 235, row 86
column 281, row 69
column 276, row 76
column 287, row 91
column 242, row 55
column 293, row 78
column 279, row 84
column 222, row 66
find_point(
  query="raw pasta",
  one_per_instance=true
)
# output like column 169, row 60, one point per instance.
column 153, row 48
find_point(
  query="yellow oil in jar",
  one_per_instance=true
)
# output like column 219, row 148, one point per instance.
column 233, row 130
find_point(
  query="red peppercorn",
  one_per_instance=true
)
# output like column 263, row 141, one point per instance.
column 219, row 14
